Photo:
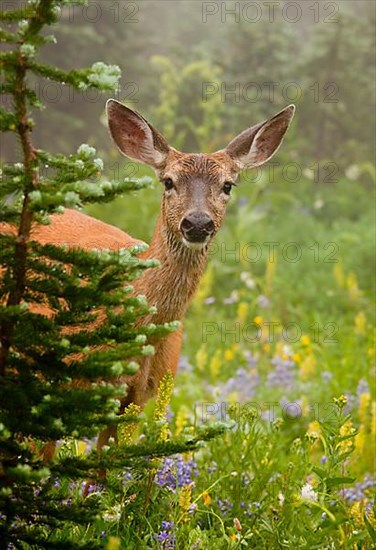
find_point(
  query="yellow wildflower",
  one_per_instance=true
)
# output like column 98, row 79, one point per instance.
column 207, row 498
column 297, row 358
column 258, row 320
column 339, row 275
column 229, row 354
column 80, row 448
column 215, row 363
column 364, row 401
column 164, row 394
column 305, row 340
column 181, row 420
column 307, row 367
column 126, row 430
column 233, row 537
column 360, row 440
column 314, row 428
column 373, row 420
column 185, row 500
column 113, row 543
column 266, row 348
column 352, row 286
column 242, row 312
column 360, row 323
column 346, row 429
column 201, row 358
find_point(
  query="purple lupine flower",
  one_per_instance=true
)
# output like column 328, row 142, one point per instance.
column 283, row 374
column 361, row 490
column 323, row 459
column 184, row 364
column 243, row 384
column 166, row 537
column 363, row 387
column 291, row 409
column 262, row 301
column 176, row 472
column 212, row 468
column 326, row 376
column 351, row 403
column 224, row 505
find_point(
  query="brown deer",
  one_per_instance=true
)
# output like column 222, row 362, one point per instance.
column 197, row 188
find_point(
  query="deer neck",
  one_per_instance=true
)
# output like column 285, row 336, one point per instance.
column 171, row 286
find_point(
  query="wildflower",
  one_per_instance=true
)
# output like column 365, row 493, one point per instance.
column 246, row 278
column 258, row 320
column 113, row 543
column 373, row 419
column 360, row 323
column 166, row 537
column 237, row 524
column 352, row 172
column 347, row 429
column 181, row 420
column 308, row 493
column 165, row 389
column 185, row 502
column 326, row 376
column 364, row 402
column 215, row 363
column 283, row 374
column 305, row 340
column 184, row 365
column 242, row 311
column 352, row 286
column 361, row 491
column 339, row 275
column 363, row 387
column 224, row 505
column 126, row 429
column 176, row 472
column 323, row 459
column 281, row 498
column 243, row 384
column 201, row 358
column 262, row 301
column 314, row 429
column 307, row 367
column 207, row 498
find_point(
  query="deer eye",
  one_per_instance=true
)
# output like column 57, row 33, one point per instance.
column 227, row 187
column 168, row 183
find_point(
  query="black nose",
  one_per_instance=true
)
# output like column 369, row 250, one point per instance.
column 197, row 226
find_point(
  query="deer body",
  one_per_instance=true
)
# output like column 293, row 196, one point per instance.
column 197, row 190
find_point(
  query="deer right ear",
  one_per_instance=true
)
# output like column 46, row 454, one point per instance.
column 257, row 144
column 134, row 136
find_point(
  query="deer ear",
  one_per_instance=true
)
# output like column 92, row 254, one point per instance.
column 134, row 136
column 257, row 144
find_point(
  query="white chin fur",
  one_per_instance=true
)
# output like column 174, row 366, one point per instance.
column 194, row 246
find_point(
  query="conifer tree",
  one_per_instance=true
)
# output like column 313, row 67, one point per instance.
column 59, row 384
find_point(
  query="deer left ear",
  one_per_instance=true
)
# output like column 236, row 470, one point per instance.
column 257, row 144
column 134, row 136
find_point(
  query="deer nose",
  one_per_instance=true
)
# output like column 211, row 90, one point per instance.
column 197, row 227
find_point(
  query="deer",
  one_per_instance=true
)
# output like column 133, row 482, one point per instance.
column 197, row 189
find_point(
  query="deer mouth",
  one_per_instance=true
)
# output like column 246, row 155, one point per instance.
column 196, row 245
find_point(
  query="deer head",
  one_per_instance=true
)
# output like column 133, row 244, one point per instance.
column 197, row 186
